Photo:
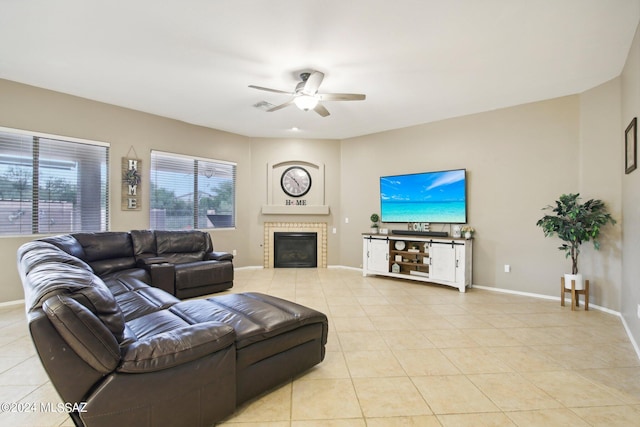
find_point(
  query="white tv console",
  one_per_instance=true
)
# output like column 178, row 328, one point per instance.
column 442, row 260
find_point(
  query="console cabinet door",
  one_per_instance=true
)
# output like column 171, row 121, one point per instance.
column 443, row 261
column 378, row 255
column 461, row 263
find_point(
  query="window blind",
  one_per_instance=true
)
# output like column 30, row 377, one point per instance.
column 51, row 184
column 191, row 192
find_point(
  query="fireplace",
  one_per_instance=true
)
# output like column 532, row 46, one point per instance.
column 270, row 228
column 295, row 250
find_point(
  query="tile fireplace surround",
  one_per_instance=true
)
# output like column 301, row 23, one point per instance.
column 310, row 227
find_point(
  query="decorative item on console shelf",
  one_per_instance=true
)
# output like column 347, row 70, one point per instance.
column 374, row 223
column 423, row 228
column 468, row 231
column 418, row 226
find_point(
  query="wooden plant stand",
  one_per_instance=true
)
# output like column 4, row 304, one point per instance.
column 575, row 294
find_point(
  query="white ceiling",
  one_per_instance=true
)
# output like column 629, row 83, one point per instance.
column 417, row 61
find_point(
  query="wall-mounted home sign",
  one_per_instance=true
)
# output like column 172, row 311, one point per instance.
column 131, row 184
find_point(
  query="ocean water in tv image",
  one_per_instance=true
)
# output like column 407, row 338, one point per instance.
column 424, row 197
column 453, row 212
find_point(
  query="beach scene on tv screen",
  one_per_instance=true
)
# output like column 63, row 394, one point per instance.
column 424, row 197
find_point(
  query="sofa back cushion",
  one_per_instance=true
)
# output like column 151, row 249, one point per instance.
column 181, row 246
column 50, row 279
column 144, row 243
column 107, row 252
column 34, row 253
column 84, row 332
column 67, row 243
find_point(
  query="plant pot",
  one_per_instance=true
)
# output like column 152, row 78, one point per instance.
column 577, row 277
column 467, row 235
column 374, row 230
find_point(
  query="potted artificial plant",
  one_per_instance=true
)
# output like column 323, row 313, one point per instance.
column 374, row 220
column 575, row 223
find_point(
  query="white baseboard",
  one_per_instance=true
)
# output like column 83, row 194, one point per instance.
column 633, row 342
column 12, row 303
column 597, row 307
column 548, row 297
column 344, row 267
column 541, row 296
column 259, row 267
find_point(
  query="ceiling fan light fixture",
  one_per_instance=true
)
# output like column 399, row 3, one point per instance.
column 306, row 96
column 306, row 102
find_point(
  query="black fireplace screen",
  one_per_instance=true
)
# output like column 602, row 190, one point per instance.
column 295, row 250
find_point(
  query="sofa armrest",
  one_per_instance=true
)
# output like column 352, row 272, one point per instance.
column 146, row 262
column 161, row 271
column 220, row 256
column 163, row 277
column 176, row 347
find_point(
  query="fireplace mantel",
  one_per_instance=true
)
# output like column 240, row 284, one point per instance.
column 295, row 210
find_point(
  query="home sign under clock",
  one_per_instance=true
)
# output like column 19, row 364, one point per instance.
column 295, row 181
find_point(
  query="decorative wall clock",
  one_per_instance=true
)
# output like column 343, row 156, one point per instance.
column 295, row 181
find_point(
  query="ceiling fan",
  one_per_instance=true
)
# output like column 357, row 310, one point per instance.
column 306, row 96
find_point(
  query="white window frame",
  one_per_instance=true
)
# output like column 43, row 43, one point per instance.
column 156, row 217
column 103, row 218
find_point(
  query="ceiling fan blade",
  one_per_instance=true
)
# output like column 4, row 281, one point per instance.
column 281, row 106
column 313, row 83
column 321, row 110
column 269, row 90
column 341, row 96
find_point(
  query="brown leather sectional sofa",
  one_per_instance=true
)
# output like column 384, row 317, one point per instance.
column 182, row 263
column 124, row 352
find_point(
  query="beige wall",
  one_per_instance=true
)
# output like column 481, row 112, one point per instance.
column 266, row 151
column 600, row 175
column 630, row 297
column 518, row 160
column 25, row 107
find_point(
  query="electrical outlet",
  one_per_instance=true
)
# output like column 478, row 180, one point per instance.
column 235, row 252
column 346, row 220
column 334, row 230
column 638, row 311
column 507, row 268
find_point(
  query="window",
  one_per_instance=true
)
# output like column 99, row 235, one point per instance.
column 190, row 192
column 51, row 184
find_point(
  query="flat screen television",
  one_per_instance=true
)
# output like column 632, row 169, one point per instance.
column 435, row 197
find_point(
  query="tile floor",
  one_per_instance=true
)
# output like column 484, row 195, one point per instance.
column 402, row 353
